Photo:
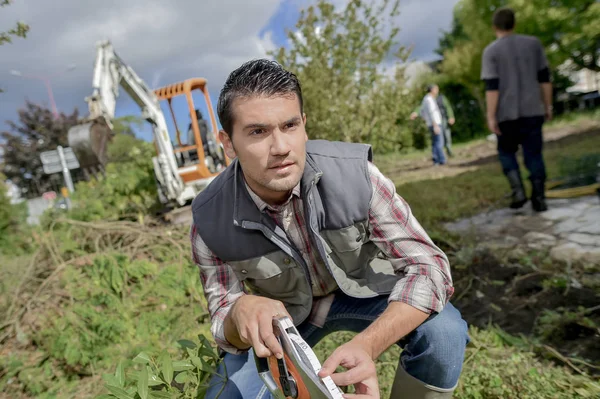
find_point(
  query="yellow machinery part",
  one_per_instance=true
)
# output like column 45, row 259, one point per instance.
column 571, row 192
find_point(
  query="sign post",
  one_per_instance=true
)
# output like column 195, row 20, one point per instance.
column 65, row 169
column 60, row 160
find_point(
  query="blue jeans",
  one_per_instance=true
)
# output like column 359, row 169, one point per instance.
column 433, row 352
column 437, row 147
column 527, row 133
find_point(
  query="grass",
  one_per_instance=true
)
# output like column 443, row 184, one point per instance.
column 435, row 202
column 388, row 162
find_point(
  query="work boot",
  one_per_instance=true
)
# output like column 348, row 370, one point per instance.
column 538, row 195
column 518, row 191
column 407, row 386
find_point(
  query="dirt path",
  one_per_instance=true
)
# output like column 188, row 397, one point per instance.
column 469, row 156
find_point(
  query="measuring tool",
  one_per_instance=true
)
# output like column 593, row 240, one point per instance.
column 296, row 375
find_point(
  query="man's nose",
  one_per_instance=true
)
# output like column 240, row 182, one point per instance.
column 279, row 145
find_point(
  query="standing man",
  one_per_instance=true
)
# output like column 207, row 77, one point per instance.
column 519, row 98
column 313, row 230
column 430, row 111
column 447, row 119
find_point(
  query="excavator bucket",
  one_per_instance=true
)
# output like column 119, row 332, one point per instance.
column 89, row 142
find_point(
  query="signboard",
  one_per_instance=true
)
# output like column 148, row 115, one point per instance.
column 60, row 160
column 52, row 163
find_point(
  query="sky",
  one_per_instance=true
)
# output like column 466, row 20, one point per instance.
column 164, row 42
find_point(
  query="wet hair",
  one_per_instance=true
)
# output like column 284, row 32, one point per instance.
column 504, row 19
column 255, row 78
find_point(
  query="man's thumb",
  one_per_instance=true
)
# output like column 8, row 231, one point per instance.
column 329, row 365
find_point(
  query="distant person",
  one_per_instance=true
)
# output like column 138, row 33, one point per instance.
column 431, row 113
column 203, row 126
column 447, row 120
column 519, row 97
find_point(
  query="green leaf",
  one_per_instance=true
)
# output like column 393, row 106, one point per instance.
column 182, row 365
column 119, row 392
column 202, row 392
column 120, row 374
column 182, row 378
column 160, row 395
column 186, row 343
column 202, row 365
column 142, row 358
column 142, row 384
column 111, row 380
column 167, row 367
column 153, row 380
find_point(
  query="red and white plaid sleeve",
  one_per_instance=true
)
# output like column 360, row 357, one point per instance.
column 426, row 282
column 221, row 288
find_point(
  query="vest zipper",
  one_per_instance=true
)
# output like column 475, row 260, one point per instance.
column 275, row 239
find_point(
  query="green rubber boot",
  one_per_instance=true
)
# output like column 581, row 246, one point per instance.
column 408, row 387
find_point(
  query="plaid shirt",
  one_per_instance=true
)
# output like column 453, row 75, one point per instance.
column 425, row 282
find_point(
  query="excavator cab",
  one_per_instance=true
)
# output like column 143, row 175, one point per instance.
column 201, row 156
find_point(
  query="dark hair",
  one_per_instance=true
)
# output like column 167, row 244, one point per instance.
column 504, row 19
column 430, row 87
column 255, row 78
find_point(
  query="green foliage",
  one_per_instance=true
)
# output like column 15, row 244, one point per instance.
column 20, row 30
column 551, row 324
column 339, row 57
column 498, row 365
column 159, row 376
column 128, row 189
column 107, row 309
column 13, row 224
column 103, row 292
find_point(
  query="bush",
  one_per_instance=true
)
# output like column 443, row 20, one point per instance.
column 13, row 225
column 128, row 189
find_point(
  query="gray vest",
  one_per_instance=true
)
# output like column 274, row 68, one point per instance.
column 336, row 192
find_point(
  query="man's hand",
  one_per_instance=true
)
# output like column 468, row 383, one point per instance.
column 361, row 370
column 436, row 129
column 451, row 121
column 493, row 125
column 252, row 318
column 413, row 116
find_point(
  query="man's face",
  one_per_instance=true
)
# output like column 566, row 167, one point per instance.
column 435, row 90
column 269, row 140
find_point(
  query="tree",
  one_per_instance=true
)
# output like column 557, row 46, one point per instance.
column 20, row 30
column 340, row 58
column 36, row 131
column 12, row 223
column 568, row 29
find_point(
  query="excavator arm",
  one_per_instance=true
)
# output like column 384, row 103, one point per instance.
column 89, row 140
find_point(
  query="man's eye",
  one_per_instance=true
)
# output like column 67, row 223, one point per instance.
column 290, row 125
column 257, row 131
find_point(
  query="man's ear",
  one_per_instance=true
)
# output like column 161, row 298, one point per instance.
column 227, row 144
column 304, row 123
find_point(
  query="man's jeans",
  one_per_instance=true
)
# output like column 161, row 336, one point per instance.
column 432, row 353
column 527, row 133
column 437, row 147
column 447, row 137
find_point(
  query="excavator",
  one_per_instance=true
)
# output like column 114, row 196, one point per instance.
column 181, row 170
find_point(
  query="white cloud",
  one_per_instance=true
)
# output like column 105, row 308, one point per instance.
column 164, row 41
